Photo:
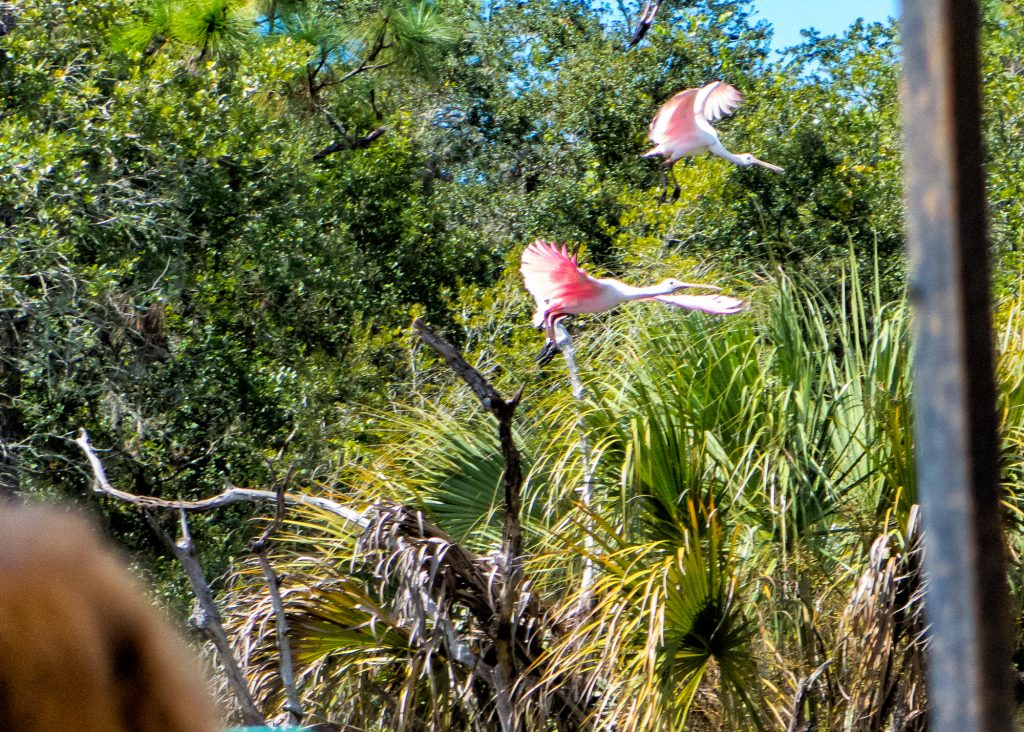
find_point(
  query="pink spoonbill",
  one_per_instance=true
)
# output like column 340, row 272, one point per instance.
column 560, row 287
column 682, row 127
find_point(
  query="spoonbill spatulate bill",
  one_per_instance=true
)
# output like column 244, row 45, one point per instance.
column 560, row 287
column 682, row 127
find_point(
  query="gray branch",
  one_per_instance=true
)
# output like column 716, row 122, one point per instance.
column 286, row 666
column 209, row 622
column 586, row 489
column 101, row 486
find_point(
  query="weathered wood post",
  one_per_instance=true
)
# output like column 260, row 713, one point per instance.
column 969, row 672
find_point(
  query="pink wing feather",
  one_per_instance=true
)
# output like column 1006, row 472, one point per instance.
column 717, row 304
column 674, row 120
column 684, row 120
column 554, row 278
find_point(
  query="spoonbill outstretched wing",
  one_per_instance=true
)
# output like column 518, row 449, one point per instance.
column 561, row 287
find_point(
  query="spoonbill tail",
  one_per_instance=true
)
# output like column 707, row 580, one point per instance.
column 560, row 287
column 683, row 127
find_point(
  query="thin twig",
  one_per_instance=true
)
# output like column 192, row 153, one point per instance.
column 360, row 69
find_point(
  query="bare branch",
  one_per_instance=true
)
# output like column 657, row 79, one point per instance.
column 333, row 122
column 586, row 489
column 646, row 20
column 260, row 544
column 350, row 143
column 506, row 672
column 209, row 621
column 227, row 497
column 360, row 69
column 378, row 43
column 487, row 394
column 489, row 590
column 286, row 665
column 293, row 704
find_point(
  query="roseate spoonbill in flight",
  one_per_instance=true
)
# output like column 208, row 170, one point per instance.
column 645, row 22
column 560, row 287
column 682, row 127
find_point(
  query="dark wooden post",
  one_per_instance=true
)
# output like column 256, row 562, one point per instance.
column 966, row 605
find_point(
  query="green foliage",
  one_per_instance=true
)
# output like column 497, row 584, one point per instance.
column 195, row 289
column 209, row 262
column 205, row 28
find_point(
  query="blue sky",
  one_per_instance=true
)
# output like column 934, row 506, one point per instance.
column 828, row 16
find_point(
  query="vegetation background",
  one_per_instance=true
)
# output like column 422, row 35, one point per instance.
column 218, row 218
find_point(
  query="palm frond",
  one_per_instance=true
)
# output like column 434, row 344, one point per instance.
column 665, row 616
column 450, row 466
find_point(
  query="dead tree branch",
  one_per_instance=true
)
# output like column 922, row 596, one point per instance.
column 443, row 572
column 101, row 486
column 286, row 665
column 350, row 142
column 512, row 534
column 207, row 618
column 492, row 401
column 645, row 22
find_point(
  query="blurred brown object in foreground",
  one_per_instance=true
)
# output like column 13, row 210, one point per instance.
column 81, row 647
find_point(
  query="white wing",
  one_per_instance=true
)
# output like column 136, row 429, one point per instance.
column 717, row 304
column 717, row 99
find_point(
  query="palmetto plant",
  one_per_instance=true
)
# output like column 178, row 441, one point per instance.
column 880, row 637
column 666, row 614
column 743, row 471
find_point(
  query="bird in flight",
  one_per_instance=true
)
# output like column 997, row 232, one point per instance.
column 645, row 23
column 560, row 287
column 682, row 127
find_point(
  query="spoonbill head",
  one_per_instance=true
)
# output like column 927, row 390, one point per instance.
column 745, row 160
column 673, row 285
